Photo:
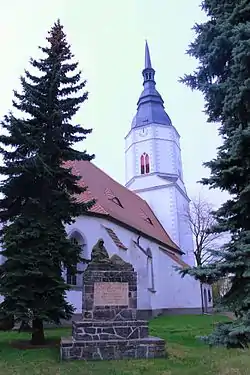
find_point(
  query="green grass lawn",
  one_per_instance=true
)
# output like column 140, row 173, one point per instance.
column 187, row 356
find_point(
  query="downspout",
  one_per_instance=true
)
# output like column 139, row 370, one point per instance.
column 138, row 240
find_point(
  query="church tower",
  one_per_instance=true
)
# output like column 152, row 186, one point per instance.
column 154, row 166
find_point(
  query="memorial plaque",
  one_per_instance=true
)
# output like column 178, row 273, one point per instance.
column 111, row 294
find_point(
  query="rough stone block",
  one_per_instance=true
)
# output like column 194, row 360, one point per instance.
column 151, row 347
column 109, row 330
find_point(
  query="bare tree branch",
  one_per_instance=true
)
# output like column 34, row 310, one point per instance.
column 207, row 244
column 202, row 221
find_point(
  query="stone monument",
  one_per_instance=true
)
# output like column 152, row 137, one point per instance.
column 110, row 328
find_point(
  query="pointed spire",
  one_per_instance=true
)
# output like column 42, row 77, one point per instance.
column 150, row 108
column 147, row 57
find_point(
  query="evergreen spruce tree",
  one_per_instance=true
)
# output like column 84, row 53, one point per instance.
column 222, row 47
column 39, row 193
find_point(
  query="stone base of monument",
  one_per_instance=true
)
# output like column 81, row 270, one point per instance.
column 151, row 347
column 106, row 340
column 110, row 342
column 110, row 328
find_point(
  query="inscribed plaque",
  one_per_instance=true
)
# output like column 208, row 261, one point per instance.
column 110, row 294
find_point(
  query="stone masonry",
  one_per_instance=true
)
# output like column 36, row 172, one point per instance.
column 110, row 328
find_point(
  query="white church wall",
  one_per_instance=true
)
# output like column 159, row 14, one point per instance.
column 130, row 164
column 74, row 297
column 185, row 240
column 170, row 290
column 163, row 202
column 139, row 260
column 167, row 149
column 138, row 135
column 166, row 132
column 172, row 215
column 178, row 159
column 180, row 293
column 165, row 156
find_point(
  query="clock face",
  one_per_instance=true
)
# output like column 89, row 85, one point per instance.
column 143, row 132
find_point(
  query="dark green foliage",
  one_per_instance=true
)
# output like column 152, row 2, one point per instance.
column 39, row 193
column 222, row 48
column 6, row 322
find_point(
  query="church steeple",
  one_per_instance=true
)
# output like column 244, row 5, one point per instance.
column 150, row 108
column 153, row 163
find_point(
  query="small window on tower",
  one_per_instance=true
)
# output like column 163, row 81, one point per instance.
column 145, row 168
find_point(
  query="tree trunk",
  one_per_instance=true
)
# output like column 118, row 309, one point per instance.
column 37, row 332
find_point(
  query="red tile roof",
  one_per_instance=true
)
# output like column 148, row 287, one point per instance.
column 116, row 202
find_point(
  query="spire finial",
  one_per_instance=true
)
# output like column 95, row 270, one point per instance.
column 147, row 57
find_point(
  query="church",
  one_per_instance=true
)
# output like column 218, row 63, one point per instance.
column 144, row 222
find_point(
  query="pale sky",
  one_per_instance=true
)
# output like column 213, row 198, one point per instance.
column 108, row 38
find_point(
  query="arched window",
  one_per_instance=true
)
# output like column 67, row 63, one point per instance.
column 145, row 168
column 76, row 279
column 71, row 278
column 74, row 240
